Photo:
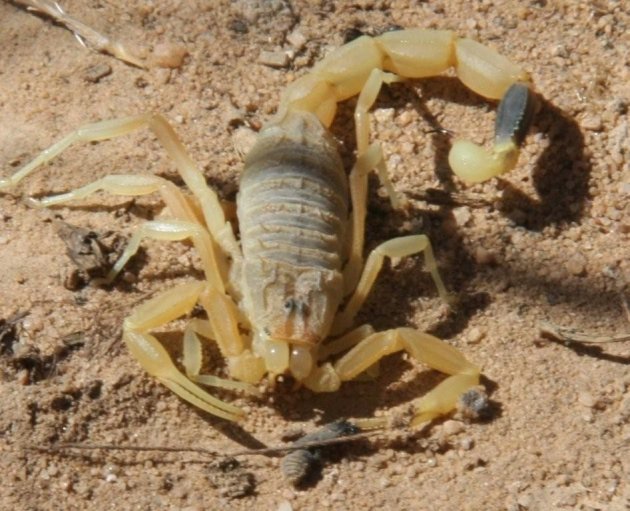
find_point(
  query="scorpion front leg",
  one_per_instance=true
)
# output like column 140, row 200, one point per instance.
column 425, row 348
column 156, row 361
column 222, row 327
column 369, row 347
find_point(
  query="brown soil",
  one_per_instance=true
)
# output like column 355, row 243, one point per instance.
column 548, row 242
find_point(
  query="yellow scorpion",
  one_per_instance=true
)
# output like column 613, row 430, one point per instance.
column 282, row 297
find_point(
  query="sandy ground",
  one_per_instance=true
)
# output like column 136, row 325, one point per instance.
column 548, row 242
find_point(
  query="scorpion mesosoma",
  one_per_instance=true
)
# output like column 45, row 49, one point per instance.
column 282, row 298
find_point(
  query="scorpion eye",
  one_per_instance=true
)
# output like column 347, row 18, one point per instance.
column 292, row 305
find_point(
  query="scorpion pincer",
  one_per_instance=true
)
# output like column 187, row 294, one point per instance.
column 282, row 297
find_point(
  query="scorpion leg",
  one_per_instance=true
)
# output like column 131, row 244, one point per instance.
column 152, row 356
column 397, row 247
column 132, row 185
column 104, row 130
column 366, row 99
column 192, row 359
column 176, row 230
column 176, row 201
column 369, row 157
column 345, row 342
column 425, row 348
column 372, row 158
column 129, row 185
column 223, row 317
column 222, row 313
column 358, row 194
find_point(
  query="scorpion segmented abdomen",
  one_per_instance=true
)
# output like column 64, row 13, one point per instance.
column 293, row 202
column 292, row 216
column 292, row 210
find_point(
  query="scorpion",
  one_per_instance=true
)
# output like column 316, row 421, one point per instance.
column 281, row 297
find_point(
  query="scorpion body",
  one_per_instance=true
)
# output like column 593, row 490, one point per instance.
column 292, row 208
column 282, row 298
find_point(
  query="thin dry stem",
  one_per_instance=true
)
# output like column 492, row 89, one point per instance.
column 199, row 450
column 86, row 35
column 571, row 335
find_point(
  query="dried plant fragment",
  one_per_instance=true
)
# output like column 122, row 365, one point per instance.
column 86, row 35
column 568, row 334
column 300, row 464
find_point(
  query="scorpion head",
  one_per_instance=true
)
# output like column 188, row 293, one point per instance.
column 291, row 315
column 290, row 339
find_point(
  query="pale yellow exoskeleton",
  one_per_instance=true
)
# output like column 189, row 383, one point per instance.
column 282, row 297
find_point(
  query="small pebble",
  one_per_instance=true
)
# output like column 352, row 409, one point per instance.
column 483, row 256
column 576, row 264
column 466, row 443
column 384, row 482
column 238, row 26
column 405, row 118
column 274, row 58
column 474, row 336
column 411, row 472
column 169, row 55
column 586, row 399
column 94, row 73
column 462, row 216
column 452, row 427
column 285, row 505
column 407, row 148
column 524, row 501
column 163, row 76
column 296, row 39
column 592, row 122
column 384, row 115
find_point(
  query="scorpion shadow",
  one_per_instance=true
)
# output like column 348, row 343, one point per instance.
column 560, row 178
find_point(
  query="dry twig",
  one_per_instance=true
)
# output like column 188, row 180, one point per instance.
column 86, row 35
column 265, row 451
column 571, row 335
